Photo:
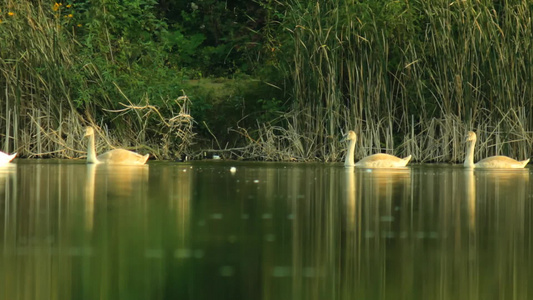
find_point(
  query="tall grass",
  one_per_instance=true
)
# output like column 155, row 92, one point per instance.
column 33, row 59
column 411, row 77
column 50, row 92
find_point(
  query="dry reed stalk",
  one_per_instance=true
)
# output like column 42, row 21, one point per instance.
column 175, row 132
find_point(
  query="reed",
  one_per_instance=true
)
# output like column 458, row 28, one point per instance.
column 32, row 63
column 411, row 77
column 52, row 92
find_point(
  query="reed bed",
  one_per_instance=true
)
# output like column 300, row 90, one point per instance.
column 40, row 71
column 410, row 77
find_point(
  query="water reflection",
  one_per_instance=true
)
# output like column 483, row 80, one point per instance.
column 470, row 191
column 89, row 196
column 115, row 182
column 350, row 196
column 270, row 231
column 7, row 177
column 381, row 195
column 504, row 209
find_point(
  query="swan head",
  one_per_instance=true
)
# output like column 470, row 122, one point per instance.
column 470, row 137
column 350, row 136
column 89, row 131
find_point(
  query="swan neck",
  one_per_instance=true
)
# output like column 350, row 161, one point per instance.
column 469, row 159
column 349, row 160
column 91, row 152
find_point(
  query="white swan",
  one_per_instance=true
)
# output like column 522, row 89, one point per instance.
column 380, row 160
column 493, row 162
column 6, row 158
column 115, row 157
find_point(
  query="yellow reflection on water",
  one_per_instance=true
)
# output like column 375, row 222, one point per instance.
column 120, row 181
column 89, row 196
column 431, row 233
column 470, row 190
column 504, row 209
column 309, row 231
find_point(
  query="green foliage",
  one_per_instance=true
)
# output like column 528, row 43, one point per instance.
column 227, row 31
column 219, row 104
column 270, row 109
column 374, row 65
column 123, row 44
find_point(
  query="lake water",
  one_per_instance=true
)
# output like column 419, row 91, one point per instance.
column 268, row 231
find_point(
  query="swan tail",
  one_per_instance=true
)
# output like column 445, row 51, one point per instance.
column 145, row 158
column 524, row 162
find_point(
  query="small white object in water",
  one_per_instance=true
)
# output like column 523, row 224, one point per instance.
column 309, row 272
column 153, row 253
column 256, row 181
column 198, row 253
column 270, row 237
column 280, row 271
column 233, row 169
column 182, row 253
column 216, row 156
column 267, row 216
column 386, row 218
column 227, row 271
column 216, row 216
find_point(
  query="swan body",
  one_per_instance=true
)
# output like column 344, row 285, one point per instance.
column 493, row 162
column 6, row 158
column 380, row 160
column 113, row 157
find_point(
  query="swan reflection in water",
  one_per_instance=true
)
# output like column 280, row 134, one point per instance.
column 8, row 174
column 470, row 191
column 383, row 184
column 113, row 182
column 375, row 190
column 504, row 188
column 507, row 189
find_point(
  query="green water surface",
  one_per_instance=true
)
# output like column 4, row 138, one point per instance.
column 267, row 231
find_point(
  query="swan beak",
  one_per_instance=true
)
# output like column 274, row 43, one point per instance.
column 344, row 138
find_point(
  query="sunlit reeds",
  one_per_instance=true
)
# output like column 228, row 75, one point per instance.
column 411, row 77
column 41, row 72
